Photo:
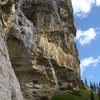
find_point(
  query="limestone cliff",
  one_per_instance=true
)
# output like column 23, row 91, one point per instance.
column 9, row 86
column 40, row 39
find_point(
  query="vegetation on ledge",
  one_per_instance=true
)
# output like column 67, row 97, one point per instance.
column 83, row 94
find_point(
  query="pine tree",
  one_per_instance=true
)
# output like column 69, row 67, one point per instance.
column 92, row 95
column 99, row 84
column 99, row 93
column 86, row 82
column 94, row 87
column 91, row 85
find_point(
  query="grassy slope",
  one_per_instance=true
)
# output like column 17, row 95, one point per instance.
column 83, row 94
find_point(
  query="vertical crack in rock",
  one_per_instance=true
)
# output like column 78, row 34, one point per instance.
column 54, row 74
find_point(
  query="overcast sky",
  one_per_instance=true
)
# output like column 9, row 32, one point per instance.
column 87, row 17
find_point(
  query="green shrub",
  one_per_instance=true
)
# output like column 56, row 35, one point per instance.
column 82, row 85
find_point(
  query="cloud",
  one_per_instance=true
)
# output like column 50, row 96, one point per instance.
column 91, row 76
column 87, row 62
column 83, row 7
column 97, row 2
column 85, row 37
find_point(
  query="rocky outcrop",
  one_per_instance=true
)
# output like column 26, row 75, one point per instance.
column 40, row 39
column 9, row 86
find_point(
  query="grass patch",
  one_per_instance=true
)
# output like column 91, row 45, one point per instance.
column 66, row 96
column 96, row 96
column 82, row 94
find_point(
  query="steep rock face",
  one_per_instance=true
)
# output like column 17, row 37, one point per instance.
column 40, row 38
column 9, row 86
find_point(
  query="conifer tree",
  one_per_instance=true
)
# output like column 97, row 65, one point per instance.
column 86, row 82
column 99, row 93
column 94, row 87
column 92, row 95
column 91, row 85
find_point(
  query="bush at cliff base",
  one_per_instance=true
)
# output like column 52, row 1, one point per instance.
column 83, row 94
